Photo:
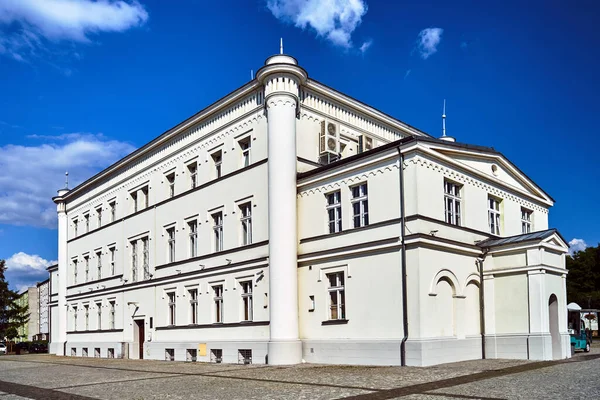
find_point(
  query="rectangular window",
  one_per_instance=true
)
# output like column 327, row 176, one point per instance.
column 86, row 308
column 218, row 161
column 99, row 310
column 111, row 315
column 113, row 210
column 337, row 298
column 134, row 201
column 360, row 205
column 247, row 299
column 112, row 260
column 74, row 318
column 494, row 215
column 193, row 306
column 171, row 183
column 526, row 220
column 193, row 226
column 216, row 355
column 245, row 148
column 334, row 211
column 193, row 170
column 171, row 297
column 218, row 231
column 86, row 260
column 74, row 272
column 97, row 352
column 75, row 222
column 246, row 221
column 452, row 202
column 110, row 352
column 146, row 195
column 86, row 219
column 146, row 258
column 134, row 263
column 84, row 352
column 218, row 299
column 99, row 214
column 99, row 264
column 244, row 356
column 171, row 243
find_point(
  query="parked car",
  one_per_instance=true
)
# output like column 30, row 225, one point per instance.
column 38, row 348
column 3, row 348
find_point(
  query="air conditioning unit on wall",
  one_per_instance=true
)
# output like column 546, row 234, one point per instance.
column 329, row 138
column 365, row 143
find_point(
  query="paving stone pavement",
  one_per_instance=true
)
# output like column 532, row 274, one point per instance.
column 60, row 378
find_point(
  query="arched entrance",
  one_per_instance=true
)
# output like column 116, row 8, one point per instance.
column 553, row 322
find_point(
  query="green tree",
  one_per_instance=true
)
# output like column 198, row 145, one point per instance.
column 583, row 281
column 12, row 315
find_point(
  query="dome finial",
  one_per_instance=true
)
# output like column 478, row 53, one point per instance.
column 67, row 180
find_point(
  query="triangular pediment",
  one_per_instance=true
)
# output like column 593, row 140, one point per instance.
column 493, row 166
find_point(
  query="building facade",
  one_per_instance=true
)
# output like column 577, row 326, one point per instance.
column 290, row 222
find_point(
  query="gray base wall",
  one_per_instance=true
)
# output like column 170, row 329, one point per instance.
column 91, row 346
column 352, row 352
column 426, row 352
column 230, row 350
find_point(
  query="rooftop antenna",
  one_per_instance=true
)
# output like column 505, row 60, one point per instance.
column 444, row 120
column 280, row 45
column 67, row 180
column 444, row 137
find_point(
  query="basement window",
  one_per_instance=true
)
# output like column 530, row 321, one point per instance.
column 216, row 356
column 191, row 355
column 169, row 354
column 244, row 356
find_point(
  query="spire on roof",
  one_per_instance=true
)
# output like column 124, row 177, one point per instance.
column 280, row 45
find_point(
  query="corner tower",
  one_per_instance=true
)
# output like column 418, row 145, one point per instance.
column 282, row 78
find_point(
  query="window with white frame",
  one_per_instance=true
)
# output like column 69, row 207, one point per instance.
column 360, row 205
column 113, row 210
column 75, row 318
column 171, row 183
column 193, row 306
column 146, row 194
column 75, row 222
column 171, row 243
column 86, row 308
column 334, row 211
column 245, row 145
column 99, row 215
column 134, row 261
column 193, row 237
column 218, row 301
column 452, row 202
column 99, row 264
column 247, row 299
column 111, row 315
column 112, row 260
column 99, row 311
column 193, row 170
column 146, row 258
column 218, row 163
column 218, row 230
column 337, row 297
column 526, row 220
column 494, row 214
column 246, row 222
column 134, row 201
column 74, row 271
column 86, row 219
column 86, row 261
column 171, row 298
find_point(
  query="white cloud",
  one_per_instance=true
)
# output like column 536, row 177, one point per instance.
column 428, row 41
column 40, row 21
column 24, row 270
column 31, row 175
column 365, row 46
column 577, row 245
column 334, row 20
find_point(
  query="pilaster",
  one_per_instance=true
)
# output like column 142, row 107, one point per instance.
column 60, row 338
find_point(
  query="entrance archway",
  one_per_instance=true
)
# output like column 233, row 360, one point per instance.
column 553, row 322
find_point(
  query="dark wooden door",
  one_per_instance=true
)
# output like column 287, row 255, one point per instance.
column 141, row 337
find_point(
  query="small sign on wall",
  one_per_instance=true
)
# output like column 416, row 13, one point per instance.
column 202, row 349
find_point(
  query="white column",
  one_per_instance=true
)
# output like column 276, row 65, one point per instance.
column 540, row 344
column 61, row 318
column 284, row 346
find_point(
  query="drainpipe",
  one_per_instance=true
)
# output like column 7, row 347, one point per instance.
column 403, row 261
column 482, row 303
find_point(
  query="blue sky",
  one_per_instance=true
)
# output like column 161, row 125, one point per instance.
column 83, row 83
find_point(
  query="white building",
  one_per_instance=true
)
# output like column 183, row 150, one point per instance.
column 276, row 225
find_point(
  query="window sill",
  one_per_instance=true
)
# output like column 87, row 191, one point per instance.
column 335, row 322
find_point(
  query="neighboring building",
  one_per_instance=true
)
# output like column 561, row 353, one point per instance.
column 43, row 291
column 23, row 329
column 289, row 222
column 29, row 298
